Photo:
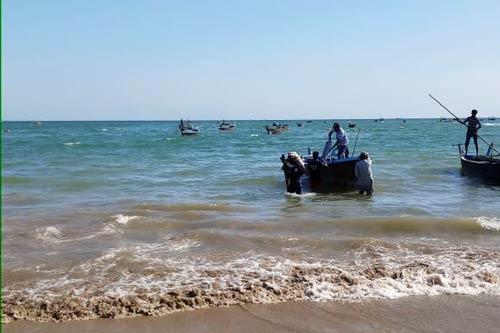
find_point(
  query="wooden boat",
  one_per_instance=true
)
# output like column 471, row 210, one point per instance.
column 276, row 128
column 226, row 126
column 187, row 129
column 484, row 167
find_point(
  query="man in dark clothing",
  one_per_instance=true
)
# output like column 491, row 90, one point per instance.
column 293, row 167
column 314, row 167
column 473, row 125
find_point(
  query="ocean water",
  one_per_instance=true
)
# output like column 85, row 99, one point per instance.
column 117, row 219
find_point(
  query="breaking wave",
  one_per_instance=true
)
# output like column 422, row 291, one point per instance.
column 155, row 279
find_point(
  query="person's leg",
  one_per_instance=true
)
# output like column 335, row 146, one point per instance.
column 467, row 140
column 475, row 144
column 341, row 151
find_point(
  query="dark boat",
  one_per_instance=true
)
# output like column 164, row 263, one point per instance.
column 338, row 175
column 351, row 125
column 484, row 167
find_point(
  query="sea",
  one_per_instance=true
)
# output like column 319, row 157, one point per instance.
column 117, row 219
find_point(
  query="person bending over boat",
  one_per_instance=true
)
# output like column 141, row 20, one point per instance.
column 473, row 125
column 363, row 172
column 342, row 141
column 293, row 167
column 314, row 167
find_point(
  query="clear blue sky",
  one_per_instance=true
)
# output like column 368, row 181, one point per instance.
column 141, row 60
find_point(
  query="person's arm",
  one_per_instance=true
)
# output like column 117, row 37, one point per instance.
column 479, row 123
column 356, row 171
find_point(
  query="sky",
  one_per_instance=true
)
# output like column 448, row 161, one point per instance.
column 255, row 59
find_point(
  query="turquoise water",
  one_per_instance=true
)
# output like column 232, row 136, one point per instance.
column 63, row 165
column 99, row 211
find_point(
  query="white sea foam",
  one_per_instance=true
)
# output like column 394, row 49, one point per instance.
column 49, row 234
column 154, row 269
column 124, row 219
column 303, row 195
column 72, row 143
column 490, row 223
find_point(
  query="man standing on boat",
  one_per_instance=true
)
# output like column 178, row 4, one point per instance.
column 342, row 141
column 473, row 125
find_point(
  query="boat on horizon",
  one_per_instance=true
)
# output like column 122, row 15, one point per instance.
column 226, row 126
column 187, row 129
column 276, row 128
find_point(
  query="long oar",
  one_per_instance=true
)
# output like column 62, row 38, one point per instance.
column 355, row 144
column 444, row 107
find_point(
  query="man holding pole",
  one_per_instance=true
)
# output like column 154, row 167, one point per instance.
column 473, row 125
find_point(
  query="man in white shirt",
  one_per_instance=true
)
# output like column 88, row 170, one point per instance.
column 342, row 140
column 363, row 172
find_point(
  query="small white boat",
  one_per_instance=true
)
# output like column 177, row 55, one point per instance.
column 188, row 129
column 226, row 126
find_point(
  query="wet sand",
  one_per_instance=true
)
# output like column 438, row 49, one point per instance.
column 410, row 314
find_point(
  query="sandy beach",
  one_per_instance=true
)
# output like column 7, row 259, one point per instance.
column 411, row 314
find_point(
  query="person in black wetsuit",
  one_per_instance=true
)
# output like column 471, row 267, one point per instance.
column 473, row 125
column 314, row 167
column 293, row 168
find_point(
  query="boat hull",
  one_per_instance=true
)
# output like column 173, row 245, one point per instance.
column 481, row 167
column 189, row 133
column 338, row 176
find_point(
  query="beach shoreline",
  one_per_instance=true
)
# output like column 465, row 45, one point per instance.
column 449, row 313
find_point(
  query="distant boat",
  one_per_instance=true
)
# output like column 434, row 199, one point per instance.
column 445, row 120
column 300, row 124
column 276, row 128
column 309, row 121
column 379, row 120
column 351, row 125
column 492, row 118
column 187, row 129
column 37, row 123
column 485, row 167
column 226, row 126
